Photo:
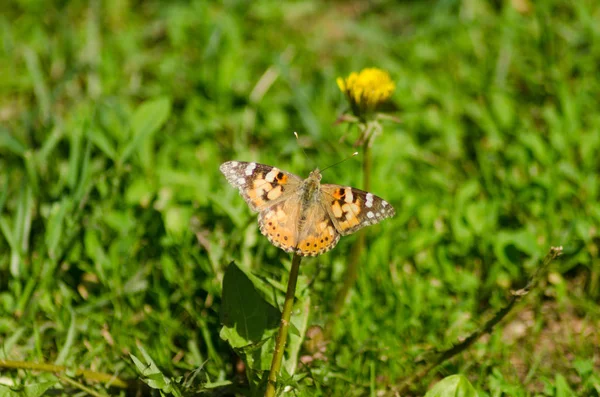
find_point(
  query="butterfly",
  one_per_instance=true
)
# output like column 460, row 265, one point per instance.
column 303, row 216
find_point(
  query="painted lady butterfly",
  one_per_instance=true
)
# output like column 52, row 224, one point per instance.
column 303, row 216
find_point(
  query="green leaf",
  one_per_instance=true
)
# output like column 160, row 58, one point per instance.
column 584, row 367
column 11, row 341
column 95, row 251
column 8, row 234
column 64, row 351
column 85, row 174
column 503, row 108
column 147, row 119
column 453, row 386
column 40, row 87
column 11, row 143
column 562, row 387
column 55, row 226
column 249, row 321
column 34, row 390
column 536, row 144
column 176, row 220
column 32, row 170
column 507, row 244
column 18, row 238
column 152, row 376
column 75, row 149
column 299, row 322
column 4, row 192
column 102, row 142
column 50, row 145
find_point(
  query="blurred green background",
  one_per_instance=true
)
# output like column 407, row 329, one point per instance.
column 116, row 225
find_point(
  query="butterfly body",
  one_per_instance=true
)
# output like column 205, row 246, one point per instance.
column 303, row 216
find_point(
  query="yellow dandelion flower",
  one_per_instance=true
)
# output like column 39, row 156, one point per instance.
column 367, row 90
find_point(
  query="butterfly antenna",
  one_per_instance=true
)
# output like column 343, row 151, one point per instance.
column 339, row 162
column 303, row 151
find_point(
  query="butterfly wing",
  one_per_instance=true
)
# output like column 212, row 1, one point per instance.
column 304, row 231
column 305, row 228
column 352, row 209
column 279, row 223
column 260, row 185
column 317, row 233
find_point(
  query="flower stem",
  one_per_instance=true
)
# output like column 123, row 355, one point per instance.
column 487, row 328
column 367, row 165
column 108, row 379
column 357, row 248
column 283, row 327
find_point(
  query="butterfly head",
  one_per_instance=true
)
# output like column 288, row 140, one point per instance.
column 315, row 175
column 312, row 185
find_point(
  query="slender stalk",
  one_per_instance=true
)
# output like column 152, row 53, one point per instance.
column 79, row 386
column 367, row 165
column 110, row 380
column 283, row 327
column 487, row 327
column 359, row 244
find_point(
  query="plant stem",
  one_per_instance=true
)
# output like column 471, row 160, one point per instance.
column 79, row 385
column 357, row 247
column 108, row 379
column 367, row 163
column 283, row 327
column 487, row 327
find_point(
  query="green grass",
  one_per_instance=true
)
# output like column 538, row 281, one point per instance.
column 116, row 227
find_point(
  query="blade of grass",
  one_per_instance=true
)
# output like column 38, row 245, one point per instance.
column 75, row 144
column 49, row 145
column 55, row 226
column 11, row 143
column 39, row 84
column 10, row 341
column 69, row 341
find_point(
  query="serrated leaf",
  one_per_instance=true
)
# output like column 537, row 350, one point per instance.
column 453, row 386
column 141, row 367
column 152, row 376
column 151, row 367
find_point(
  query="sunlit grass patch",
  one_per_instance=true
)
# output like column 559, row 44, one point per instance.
column 116, row 227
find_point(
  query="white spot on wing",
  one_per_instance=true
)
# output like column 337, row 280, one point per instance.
column 250, row 168
column 369, row 202
column 370, row 214
column 270, row 177
column 241, row 181
column 234, row 163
